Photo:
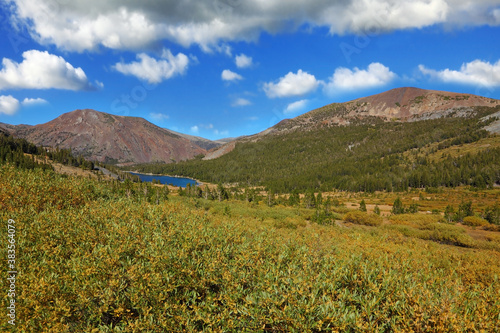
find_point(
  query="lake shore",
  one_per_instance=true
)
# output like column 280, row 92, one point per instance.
column 198, row 182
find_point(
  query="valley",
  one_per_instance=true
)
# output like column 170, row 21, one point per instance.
column 343, row 219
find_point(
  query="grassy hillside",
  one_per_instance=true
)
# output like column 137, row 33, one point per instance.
column 364, row 156
column 99, row 257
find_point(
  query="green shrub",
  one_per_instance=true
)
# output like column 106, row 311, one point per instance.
column 475, row 221
column 359, row 217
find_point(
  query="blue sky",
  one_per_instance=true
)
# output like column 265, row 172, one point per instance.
column 225, row 68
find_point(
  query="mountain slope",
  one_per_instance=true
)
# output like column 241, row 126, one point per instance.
column 108, row 138
column 388, row 151
column 400, row 104
column 405, row 104
column 202, row 142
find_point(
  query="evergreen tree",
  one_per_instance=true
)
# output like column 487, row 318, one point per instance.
column 294, row 198
column 362, row 206
column 397, row 207
column 413, row 209
column 222, row 193
column 464, row 210
column 449, row 213
column 309, row 199
column 319, row 199
column 492, row 214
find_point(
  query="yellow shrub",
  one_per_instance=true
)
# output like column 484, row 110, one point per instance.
column 359, row 217
column 475, row 221
column 414, row 220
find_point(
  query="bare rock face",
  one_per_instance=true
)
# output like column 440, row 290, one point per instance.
column 401, row 104
column 414, row 103
column 108, row 138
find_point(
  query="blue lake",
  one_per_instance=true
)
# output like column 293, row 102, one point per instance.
column 176, row 181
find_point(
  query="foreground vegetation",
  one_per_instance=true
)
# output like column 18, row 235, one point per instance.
column 93, row 256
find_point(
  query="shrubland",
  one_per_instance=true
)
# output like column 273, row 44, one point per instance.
column 122, row 257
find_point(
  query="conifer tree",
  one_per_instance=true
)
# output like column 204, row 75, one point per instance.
column 362, row 206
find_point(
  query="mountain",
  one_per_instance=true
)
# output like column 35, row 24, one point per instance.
column 400, row 104
column 202, row 142
column 405, row 104
column 430, row 139
column 108, row 138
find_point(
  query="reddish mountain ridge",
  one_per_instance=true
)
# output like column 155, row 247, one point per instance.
column 400, row 104
column 108, row 138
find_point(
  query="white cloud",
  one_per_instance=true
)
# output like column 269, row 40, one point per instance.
column 228, row 75
column 42, row 70
column 159, row 116
column 81, row 25
column 475, row 72
column 221, row 133
column 33, row 101
column 292, row 85
column 195, row 129
column 243, row 61
column 9, row 105
column 241, row 102
column 296, row 106
column 208, row 126
column 99, row 84
column 155, row 71
column 346, row 79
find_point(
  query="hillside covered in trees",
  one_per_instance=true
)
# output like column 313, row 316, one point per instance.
column 367, row 155
column 22, row 153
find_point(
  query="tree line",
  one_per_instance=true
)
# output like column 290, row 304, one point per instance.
column 362, row 157
column 21, row 153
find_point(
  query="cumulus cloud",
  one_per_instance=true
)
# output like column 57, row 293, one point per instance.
column 33, row 101
column 42, row 70
column 228, row 75
column 195, row 129
column 9, row 105
column 81, row 25
column 292, row 85
column 243, row 61
column 241, row 102
column 159, row 116
column 153, row 70
column 476, row 72
column 296, row 106
column 346, row 79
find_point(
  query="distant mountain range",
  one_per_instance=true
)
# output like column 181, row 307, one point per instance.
column 123, row 140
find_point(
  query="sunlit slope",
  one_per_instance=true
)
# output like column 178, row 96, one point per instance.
column 92, row 256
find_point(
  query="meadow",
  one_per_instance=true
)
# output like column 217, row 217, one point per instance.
column 93, row 257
